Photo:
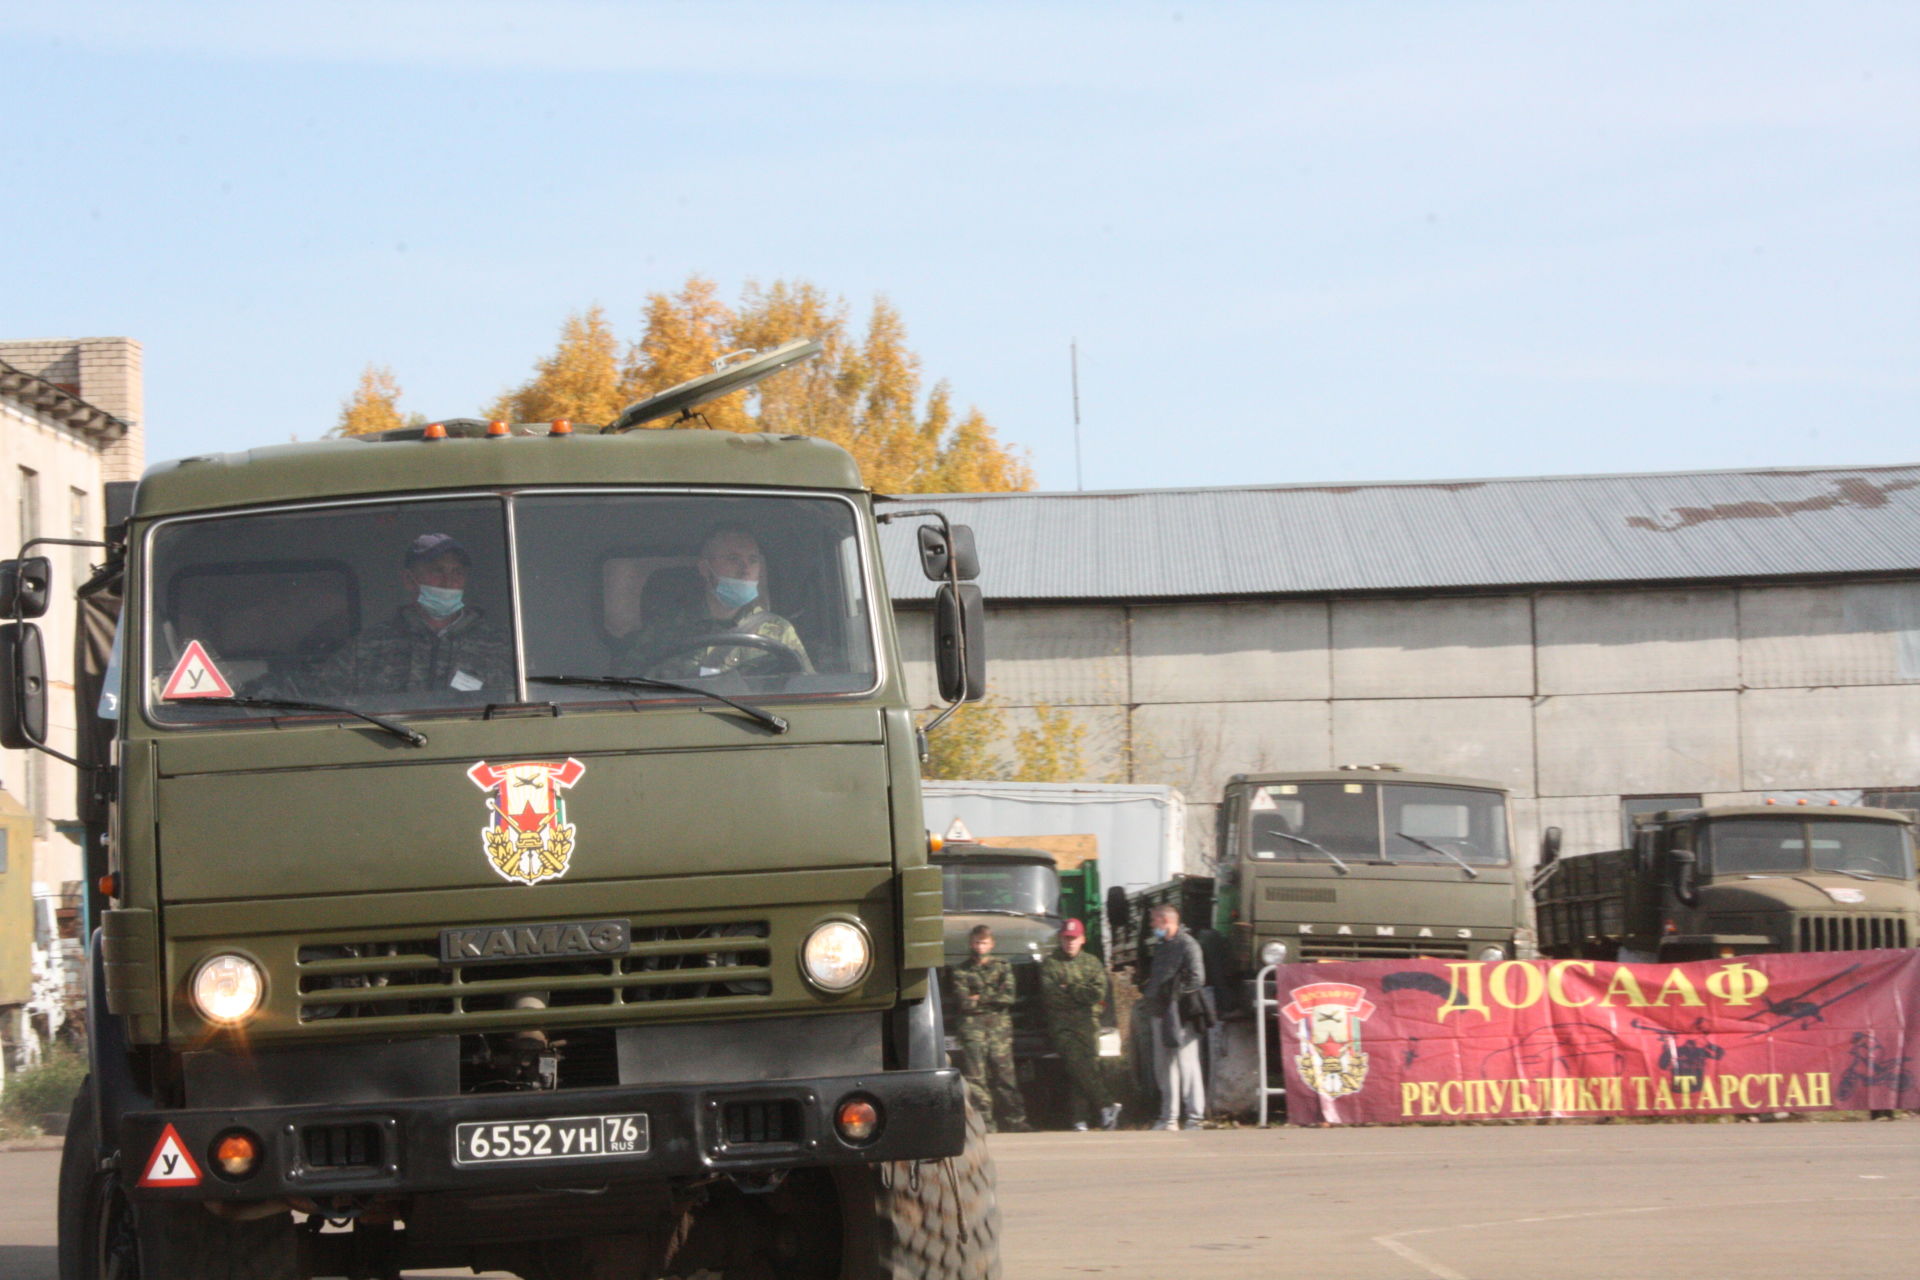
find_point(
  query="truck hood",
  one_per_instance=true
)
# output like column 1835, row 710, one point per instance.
column 1822, row 894
column 671, row 791
column 1399, row 896
column 1020, row 939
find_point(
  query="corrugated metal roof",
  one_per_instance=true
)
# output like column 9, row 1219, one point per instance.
column 1685, row 526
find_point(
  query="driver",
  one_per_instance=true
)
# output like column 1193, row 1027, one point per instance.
column 733, row 599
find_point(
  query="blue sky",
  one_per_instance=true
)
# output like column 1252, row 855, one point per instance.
column 1295, row 242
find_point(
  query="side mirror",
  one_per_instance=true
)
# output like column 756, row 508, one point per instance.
column 26, row 587
column 1686, row 868
column 23, row 687
column 954, row 617
column 935, row 553
column 1549, row 846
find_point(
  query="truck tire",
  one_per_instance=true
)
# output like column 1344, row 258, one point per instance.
column 102, row 1239
column 935, row 1220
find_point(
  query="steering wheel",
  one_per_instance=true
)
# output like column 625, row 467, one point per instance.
column 787, row 662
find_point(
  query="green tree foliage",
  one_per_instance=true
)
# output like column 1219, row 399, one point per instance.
column 971, row 745
column 581, row 381
column 1053, row 750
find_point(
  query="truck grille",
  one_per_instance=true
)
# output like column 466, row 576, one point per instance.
column 1314, row 947
column 404, row 978
column 1851, row 933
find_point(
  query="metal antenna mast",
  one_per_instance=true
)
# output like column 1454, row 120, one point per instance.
column 1073, row 357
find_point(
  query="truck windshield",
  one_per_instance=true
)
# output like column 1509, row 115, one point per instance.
column 1377, row 822
column 1756, row 846
column 451, row 604
column 1017, row 888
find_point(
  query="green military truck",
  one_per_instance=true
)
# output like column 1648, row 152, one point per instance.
column 1023, row 896
column 1360, row 863
column 585, row 956
column 1734, row 880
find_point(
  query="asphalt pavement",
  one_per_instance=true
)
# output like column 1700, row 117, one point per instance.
column 1784, row 1201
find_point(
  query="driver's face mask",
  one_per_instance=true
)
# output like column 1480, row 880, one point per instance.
column 735, row 593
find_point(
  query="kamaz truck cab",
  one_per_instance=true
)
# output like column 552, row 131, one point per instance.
column 487, row 875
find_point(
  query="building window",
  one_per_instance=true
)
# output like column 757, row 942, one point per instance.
column 1632, row 805
column 1892, row 798
column 77, row 530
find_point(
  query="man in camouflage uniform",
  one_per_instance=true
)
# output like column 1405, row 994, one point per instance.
column 733, row 575
column 983, row 1003
column 1073, row 991
column 434, row 642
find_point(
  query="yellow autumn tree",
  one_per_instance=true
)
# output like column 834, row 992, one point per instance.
column 1053, row 750
column 581, row 381
column 373, row 406
column 967, row 746
column 863, row 392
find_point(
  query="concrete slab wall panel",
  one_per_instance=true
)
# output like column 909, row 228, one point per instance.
column 1230, row 652
column 1829, row 738
column 1465, row 647
column 1638, row 743
column 1195, row 746
column 1637, row 641
column 1488, row 738
column 1845, row 633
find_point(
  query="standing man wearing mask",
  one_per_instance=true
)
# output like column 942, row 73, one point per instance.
column 436, row 641
column 1179, row 971
column 733, row 601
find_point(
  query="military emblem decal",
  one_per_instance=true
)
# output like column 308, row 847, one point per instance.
column 1329, row 1015
column 528, row 838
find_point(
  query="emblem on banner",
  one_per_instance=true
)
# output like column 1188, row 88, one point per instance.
column 528, row 838
column 1328, row 1015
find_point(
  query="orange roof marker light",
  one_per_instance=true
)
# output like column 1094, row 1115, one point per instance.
column 560, row 427
column 1801, row 800
column 433, row 431
column 497, row 428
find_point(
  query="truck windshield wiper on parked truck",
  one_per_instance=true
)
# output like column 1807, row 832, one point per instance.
column 412, row 737
column 1445, row 853
column 776, row 723
column 1314, row 845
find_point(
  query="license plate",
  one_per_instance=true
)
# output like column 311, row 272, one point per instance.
column 541, row 1141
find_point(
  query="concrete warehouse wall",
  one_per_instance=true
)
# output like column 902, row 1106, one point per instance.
column 1574, row 699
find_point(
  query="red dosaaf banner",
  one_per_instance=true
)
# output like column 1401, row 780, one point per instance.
column 1392, row 1042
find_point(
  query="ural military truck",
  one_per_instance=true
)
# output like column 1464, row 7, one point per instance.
column 1734, row 880
column 1023, row 896
column 1360, row 863
column 606, row 947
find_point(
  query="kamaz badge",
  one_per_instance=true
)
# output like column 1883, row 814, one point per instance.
column 528, row 838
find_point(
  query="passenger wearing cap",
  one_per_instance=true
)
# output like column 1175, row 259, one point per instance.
column 435, row 641
column 1073, row 994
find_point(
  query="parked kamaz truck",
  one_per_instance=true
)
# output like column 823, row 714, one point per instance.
column 507, row 852
column 1734, row 880
column 1360, row 863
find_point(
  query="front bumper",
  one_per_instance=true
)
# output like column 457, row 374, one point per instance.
column 408, row 1146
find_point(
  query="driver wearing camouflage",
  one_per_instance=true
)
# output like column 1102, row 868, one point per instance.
column 733, row 601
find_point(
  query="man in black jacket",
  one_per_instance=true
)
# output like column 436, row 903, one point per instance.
column 1179, row 971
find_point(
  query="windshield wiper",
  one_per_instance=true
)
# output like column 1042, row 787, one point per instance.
column 776, row 723
column 1445, row 853
column 412, row 737
column 1331, row 856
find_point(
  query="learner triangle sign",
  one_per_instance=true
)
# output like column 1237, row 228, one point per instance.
column 196, row 676
column 171, row 1164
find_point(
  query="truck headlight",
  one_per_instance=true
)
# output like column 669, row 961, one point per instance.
column 227, row 988
column 1492, row 954
column 1274, row 953
column 836, row 956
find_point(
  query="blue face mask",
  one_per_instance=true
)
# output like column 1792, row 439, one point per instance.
column 736, row 593
column 1160, row 933
column 441, row 602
